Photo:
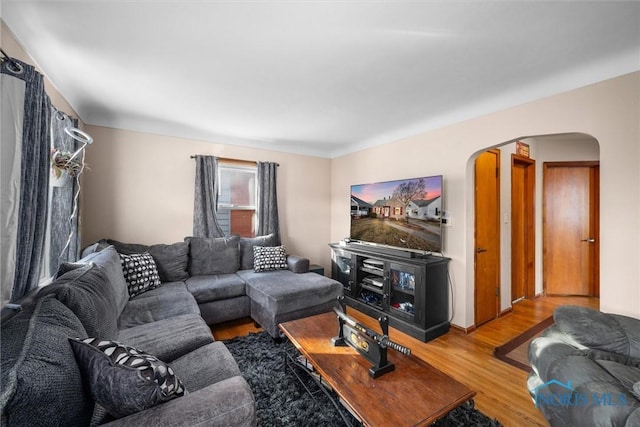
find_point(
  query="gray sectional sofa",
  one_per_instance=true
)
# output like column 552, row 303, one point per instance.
column 220, row 274
column 54, row 373
column 585, row 369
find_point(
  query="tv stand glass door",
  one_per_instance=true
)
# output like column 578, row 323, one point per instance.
column 402, row 287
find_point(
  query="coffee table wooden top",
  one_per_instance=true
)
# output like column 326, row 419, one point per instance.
column 415, row 393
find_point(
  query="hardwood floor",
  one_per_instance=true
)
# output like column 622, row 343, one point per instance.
column 501, row 388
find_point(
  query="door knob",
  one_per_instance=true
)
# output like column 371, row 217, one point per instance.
column 480, row 250
column 589, row 240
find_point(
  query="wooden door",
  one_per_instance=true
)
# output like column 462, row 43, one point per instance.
column 523, row 237
column 487, row 236
column 570, row 228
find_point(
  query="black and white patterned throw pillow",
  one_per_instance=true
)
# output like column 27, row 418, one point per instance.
column 269, row 258
column 140, row 273
column 124, row 380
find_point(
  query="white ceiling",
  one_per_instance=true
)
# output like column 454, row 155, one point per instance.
column 321, row 78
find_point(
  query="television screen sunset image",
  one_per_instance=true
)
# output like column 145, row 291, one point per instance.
column 403, row 213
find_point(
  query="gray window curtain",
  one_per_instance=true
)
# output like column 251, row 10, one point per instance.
column 268, row 200
column 63, row 226
column 205, row 223
column 26, row 112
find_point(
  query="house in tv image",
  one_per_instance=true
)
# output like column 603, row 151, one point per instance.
column 429, row 210
column 389, row 208
column 359, row 208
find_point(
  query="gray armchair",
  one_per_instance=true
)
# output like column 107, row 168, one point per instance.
column 586, row 369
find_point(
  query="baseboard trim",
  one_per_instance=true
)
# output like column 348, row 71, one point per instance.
column 464, row 330
column 506, row 311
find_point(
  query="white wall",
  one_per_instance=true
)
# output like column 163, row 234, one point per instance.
column 608, row 111
column 140, row 189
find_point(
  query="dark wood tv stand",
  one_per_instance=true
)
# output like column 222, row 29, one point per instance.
column 412, row 291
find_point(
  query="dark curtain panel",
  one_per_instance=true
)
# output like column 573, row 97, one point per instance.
column 268, row 200
column 34, row 179
column 62, row 199
column 205, row 223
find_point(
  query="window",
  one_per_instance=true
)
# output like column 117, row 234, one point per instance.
column 237, row 198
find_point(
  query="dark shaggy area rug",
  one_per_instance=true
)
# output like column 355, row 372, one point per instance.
column 282, row 401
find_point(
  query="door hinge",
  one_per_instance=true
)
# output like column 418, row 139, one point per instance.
column 497, row 292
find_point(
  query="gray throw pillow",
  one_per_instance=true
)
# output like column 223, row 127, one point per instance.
column 269, row 258
column 246, row 248
column 172, row 260
column 140, row 273
column 219, row 255
column 87, row 292
column 41, row 381
column 124, row 380
column 127, row 248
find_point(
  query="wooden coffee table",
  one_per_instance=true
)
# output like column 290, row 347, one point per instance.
column 415, row 393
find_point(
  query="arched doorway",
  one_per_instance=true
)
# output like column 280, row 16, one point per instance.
column 543, row 149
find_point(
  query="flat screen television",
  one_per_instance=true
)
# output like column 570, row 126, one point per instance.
column 403, row 214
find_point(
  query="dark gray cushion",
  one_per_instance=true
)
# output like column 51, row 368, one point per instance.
column 142, row 309
column 216, row 287
column 246, row 248
column 269, row 258
column 626, row 375
column 634, row 419
column 87, row 292
column 227, row 403
column 172, row 260
column 607, row 404
column 283, row 291
column 122, row 379
column 41, row 382
column 140, row 273
column 169, row 339
column 298, row 264
column 127, row 248
column 598, row 330
column 109, row 259
column 167, row 288
column 219, row 255
column 631, row 328
column 544, row 351
column 207, row 365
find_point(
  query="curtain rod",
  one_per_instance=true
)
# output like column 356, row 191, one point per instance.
column 60, row 115
column 10, row 59
column 229, row 159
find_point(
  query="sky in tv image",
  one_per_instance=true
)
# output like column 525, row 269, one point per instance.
column 370, row 193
